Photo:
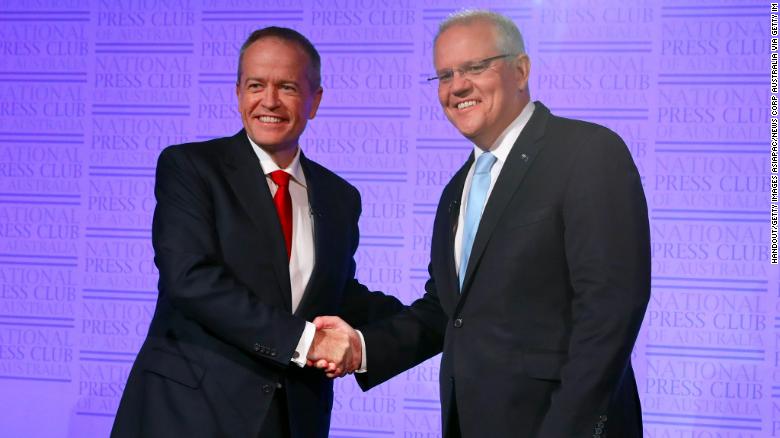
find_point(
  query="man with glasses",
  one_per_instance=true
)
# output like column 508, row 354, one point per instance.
column 540, row 259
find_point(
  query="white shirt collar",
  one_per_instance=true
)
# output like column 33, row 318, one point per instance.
column 503, row 144
column 268, row 164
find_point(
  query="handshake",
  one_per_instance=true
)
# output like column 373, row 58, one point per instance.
column 336, row 349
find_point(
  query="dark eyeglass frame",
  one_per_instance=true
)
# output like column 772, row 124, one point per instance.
column 470, row 69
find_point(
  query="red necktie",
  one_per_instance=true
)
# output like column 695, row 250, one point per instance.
column 283, row 204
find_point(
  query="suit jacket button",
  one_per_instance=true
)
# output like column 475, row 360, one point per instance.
column 267, row 389
column 458, row 323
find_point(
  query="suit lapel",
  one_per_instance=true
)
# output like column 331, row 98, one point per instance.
column 518, row 162
column 320, row 211
column 246, row 178
column 453, row 210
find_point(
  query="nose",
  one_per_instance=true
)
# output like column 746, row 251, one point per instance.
column 460, row 84
column 270, row 98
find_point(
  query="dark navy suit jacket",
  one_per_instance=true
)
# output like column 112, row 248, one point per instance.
column 538, row 343
column 223, row 333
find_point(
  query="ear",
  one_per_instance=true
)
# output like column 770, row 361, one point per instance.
column 315, row 103
column 523, row 71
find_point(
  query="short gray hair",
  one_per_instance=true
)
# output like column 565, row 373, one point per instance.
column 508, row 36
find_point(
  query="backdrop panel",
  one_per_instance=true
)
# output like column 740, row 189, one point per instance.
column 91, row 91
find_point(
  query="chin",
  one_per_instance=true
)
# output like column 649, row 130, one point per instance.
column 468, row 131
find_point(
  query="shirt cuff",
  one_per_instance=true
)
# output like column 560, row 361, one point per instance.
column 363, row 360
column 304, row 344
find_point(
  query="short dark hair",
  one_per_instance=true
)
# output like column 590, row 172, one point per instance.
column 289, row 35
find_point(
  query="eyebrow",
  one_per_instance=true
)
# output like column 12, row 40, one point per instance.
column 277, row 82
column 472, row 62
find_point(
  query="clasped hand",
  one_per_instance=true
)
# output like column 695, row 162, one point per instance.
column 336, row 348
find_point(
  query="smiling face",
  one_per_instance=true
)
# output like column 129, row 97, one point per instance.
column 275, row 97
column 480, row 106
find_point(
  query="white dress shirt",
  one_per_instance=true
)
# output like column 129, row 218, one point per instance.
column 302, row 248
column 500, row 148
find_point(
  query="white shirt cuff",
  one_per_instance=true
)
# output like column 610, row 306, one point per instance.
column 363, row 361
column 304, row 344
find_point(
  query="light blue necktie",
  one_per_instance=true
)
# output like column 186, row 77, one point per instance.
column 480, row 184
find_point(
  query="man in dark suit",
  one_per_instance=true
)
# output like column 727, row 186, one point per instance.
column 540, row 260
column 252, row 241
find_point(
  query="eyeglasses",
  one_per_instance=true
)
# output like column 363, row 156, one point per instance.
column 469, row 69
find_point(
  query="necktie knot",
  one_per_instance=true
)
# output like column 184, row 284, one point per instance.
column 280, row 178
column 485, row 163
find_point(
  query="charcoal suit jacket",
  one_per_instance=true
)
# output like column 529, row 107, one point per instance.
column 223, row 333
column 537, row 343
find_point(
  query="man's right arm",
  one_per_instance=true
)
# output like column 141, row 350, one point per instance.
column 193, row 277
column 404, row 340
column 394, row 344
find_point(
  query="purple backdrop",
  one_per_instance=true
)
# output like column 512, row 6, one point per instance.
column 91, row 91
